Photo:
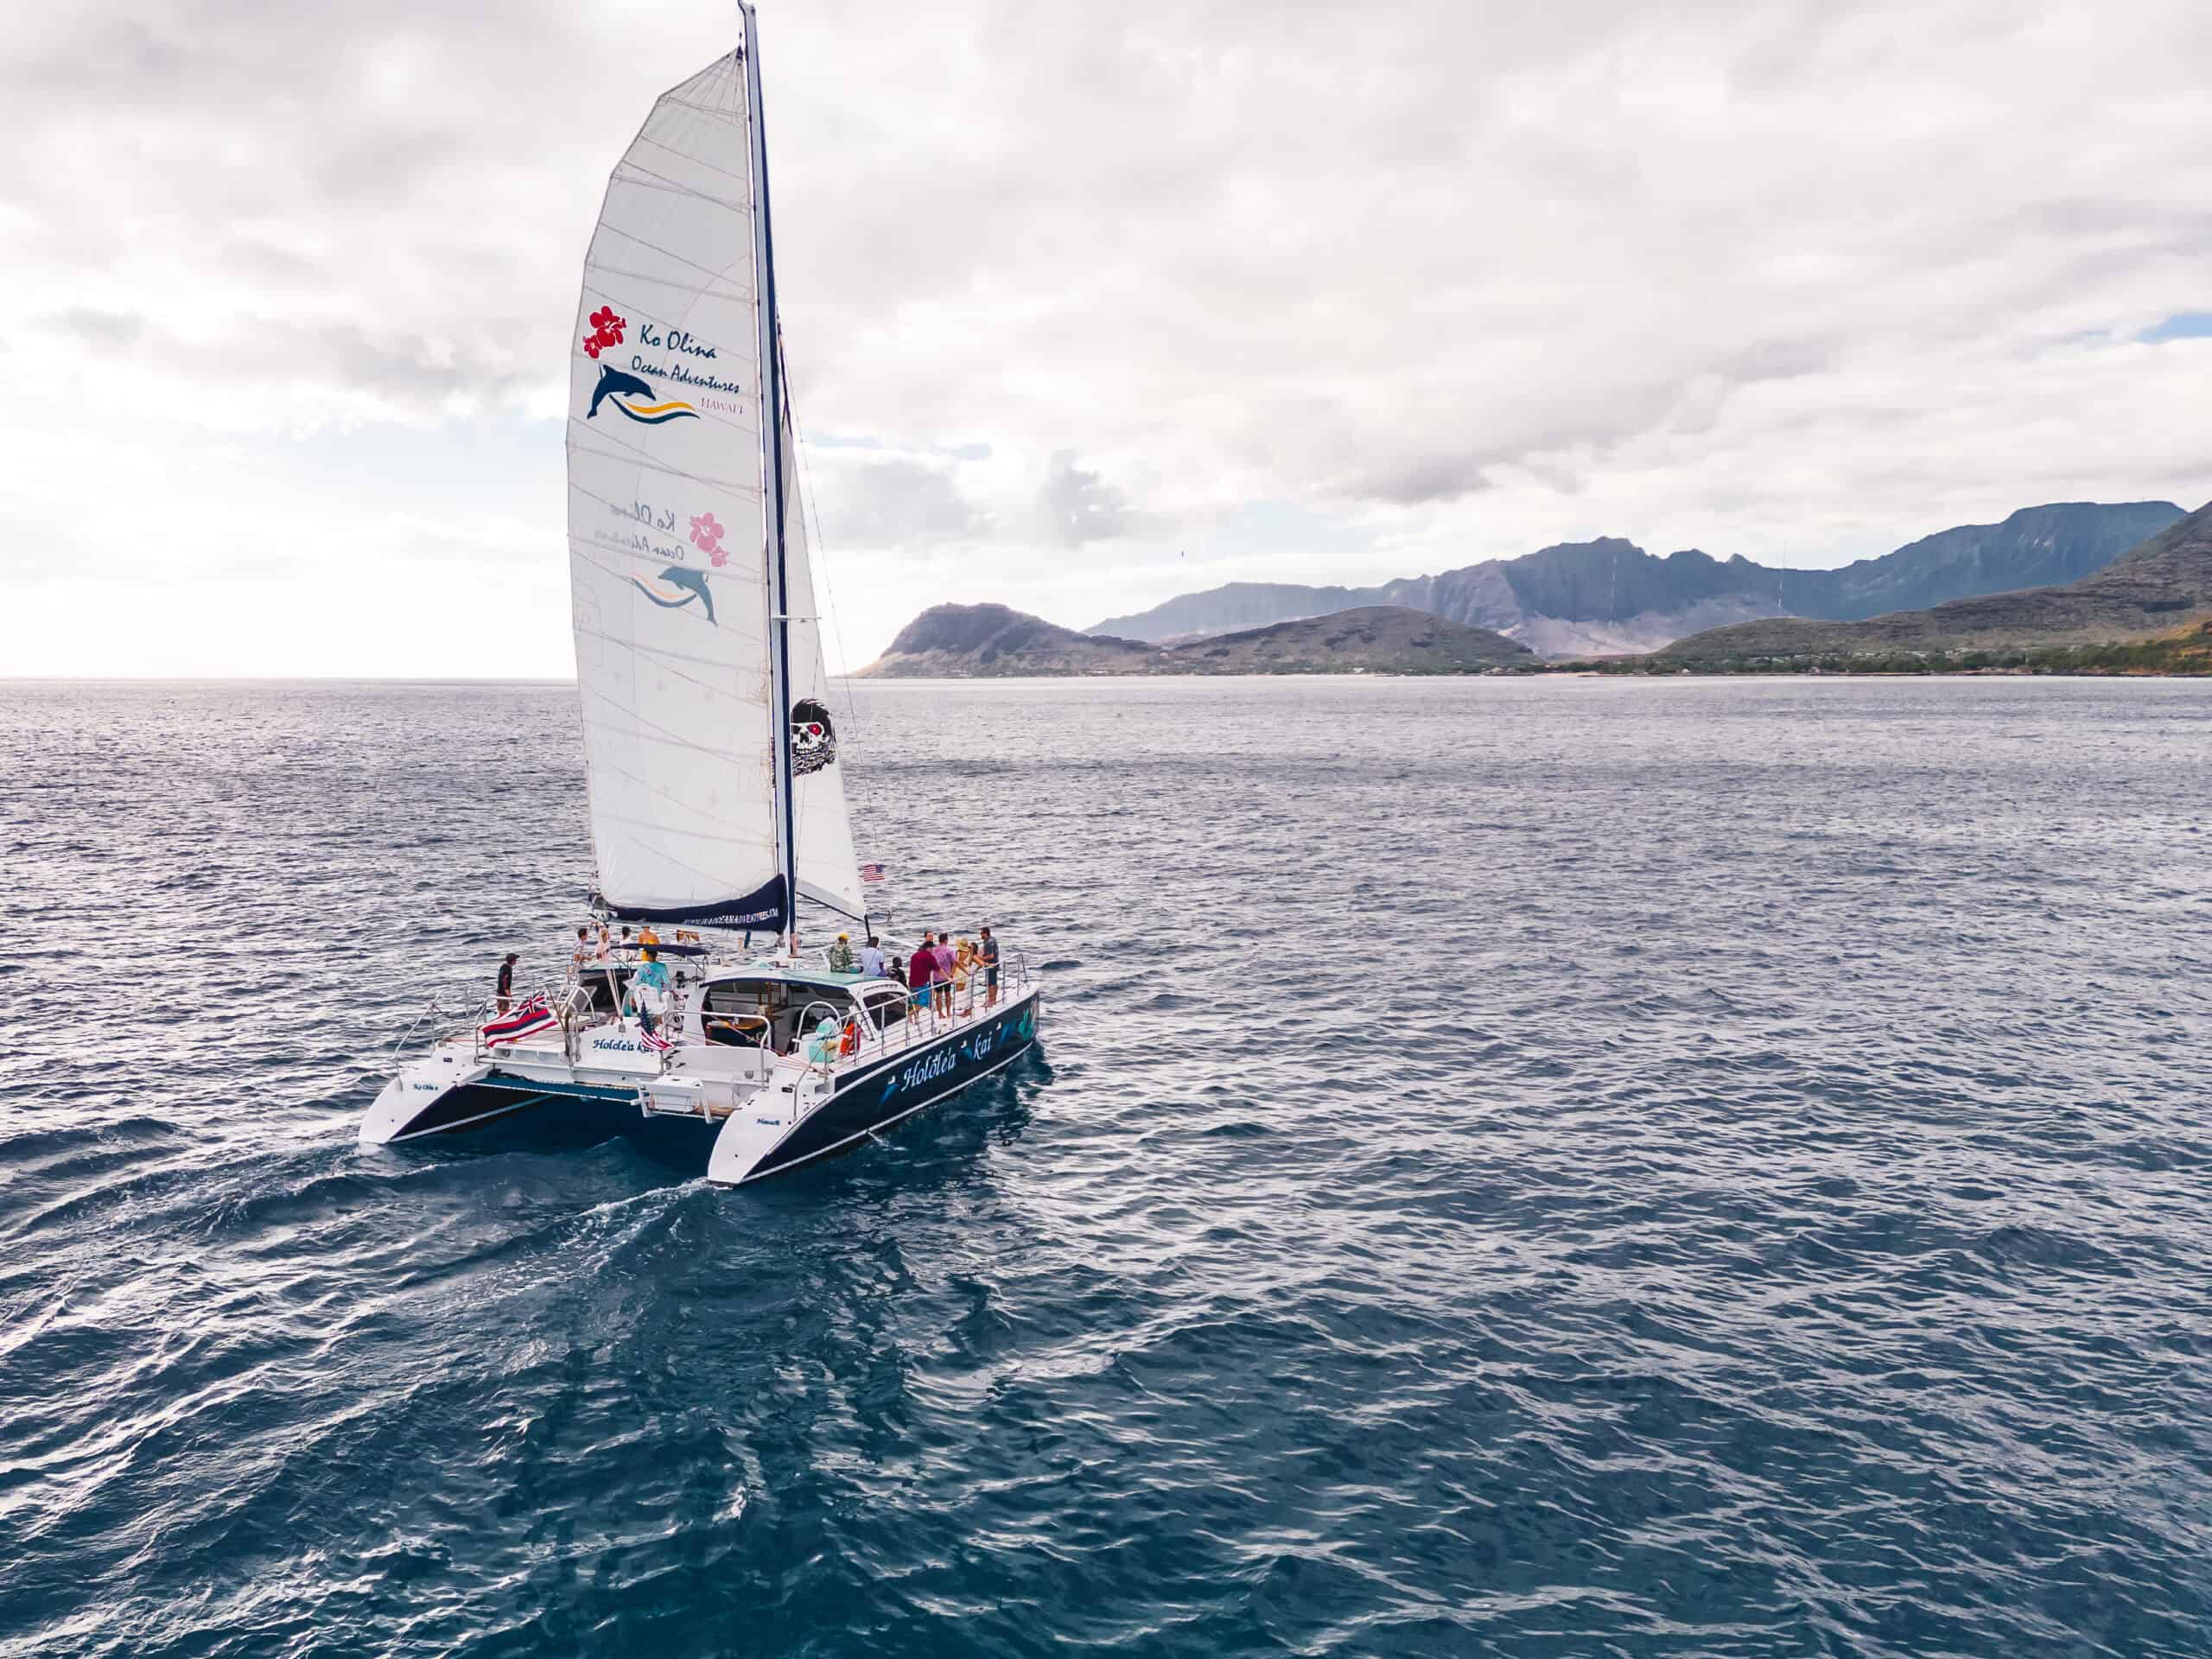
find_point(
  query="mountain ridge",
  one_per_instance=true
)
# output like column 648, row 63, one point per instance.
column 992, row 641
column 2163, row 582
column 1609, row 596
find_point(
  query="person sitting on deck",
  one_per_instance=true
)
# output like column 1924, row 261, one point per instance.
column 821, row 1047
column 840, row 955
column 872, row 958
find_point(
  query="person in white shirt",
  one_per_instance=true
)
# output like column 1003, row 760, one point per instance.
column 871, row 958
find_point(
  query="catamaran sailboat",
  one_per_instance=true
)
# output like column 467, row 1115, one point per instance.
column 716, row 789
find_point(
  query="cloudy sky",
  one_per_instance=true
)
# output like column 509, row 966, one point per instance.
column 1088, row 305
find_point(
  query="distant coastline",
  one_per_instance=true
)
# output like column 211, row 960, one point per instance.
column 2147, row 613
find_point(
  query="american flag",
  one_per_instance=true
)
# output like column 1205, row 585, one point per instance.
column 871, row 872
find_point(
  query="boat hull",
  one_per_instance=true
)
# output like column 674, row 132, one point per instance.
column 403, row 1114
column 767, row 1133
column 752, row 1146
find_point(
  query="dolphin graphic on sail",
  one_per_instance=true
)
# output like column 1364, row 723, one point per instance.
column 615, row 384
column 690, row 585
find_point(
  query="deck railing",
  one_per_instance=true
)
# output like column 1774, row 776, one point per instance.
column 917, row 1016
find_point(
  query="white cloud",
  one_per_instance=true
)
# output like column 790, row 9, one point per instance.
column 1108, row 287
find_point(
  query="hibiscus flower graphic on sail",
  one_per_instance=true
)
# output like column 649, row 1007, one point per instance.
column 707, row 535
column 632, row 394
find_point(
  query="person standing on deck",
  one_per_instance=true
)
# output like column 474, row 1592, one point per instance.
column 507, row 981
column 581, row 953
column 988, row 954
column 941, row 961
column 871, row 958
column 921, row 968
column 840, row 955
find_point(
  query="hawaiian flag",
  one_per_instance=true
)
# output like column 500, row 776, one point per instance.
column 534, row 1016
column 871, row 872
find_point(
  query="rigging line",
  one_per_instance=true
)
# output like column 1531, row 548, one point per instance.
column 810, row 504
column 683, row 155
column 647, row 731
column 698, row 290
column 644, row 178
column 644, row 462
column 621, row 509
column 624, row 455
column 662, row 654
column 731, row 116
column 711, row 272
column 584, row 554
column 748, row 843
column 714, row 882
column 713, row 688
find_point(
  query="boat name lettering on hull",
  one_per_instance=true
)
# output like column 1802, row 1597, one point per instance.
column 922, row 1070
column 890, row 1094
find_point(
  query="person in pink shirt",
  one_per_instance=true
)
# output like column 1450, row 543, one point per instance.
column 941, row 977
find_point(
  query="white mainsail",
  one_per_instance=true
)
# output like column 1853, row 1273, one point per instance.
column 670, row 548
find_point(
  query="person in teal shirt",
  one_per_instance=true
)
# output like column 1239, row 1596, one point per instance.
column 653, row 977
column 821, row 1047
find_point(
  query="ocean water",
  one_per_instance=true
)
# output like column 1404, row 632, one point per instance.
column 1692, row 1168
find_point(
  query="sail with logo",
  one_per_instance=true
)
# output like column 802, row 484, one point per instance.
column 710, row 752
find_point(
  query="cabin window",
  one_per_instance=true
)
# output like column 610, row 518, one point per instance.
column 738, row 1011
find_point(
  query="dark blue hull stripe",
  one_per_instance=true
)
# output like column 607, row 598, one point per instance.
column 903, row 1085
column 783, row 1166
column 495, row 1096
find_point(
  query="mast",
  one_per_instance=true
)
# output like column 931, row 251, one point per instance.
column 772, row 487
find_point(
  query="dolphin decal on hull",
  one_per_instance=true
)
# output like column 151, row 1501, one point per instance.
column 689, row 584
column 615, row 384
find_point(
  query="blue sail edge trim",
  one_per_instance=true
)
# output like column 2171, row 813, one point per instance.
column 764, row 907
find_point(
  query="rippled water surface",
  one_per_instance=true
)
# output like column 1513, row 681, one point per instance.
column 1576, row 1168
